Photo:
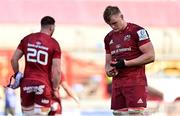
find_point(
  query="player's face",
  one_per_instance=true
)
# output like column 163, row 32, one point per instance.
column 117, row 22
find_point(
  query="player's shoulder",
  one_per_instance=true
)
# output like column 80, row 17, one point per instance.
column 108, row 36
column 135, row 27
column 30, row 35
column 54, row 41
column 141, row 32
column 26, row 38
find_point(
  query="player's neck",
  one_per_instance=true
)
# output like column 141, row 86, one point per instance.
column 124, row 26
column 45, row 32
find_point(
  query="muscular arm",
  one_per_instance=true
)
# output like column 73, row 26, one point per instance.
column 14, row 60
column 107, row 63
column 148, row 56
column 56, row 70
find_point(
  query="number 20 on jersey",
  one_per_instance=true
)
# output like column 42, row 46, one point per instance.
column 34, row 55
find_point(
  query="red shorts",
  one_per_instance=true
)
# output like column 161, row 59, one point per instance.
column 126, row 97
column 35, row 92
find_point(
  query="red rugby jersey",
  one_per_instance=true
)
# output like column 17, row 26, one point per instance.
column 39, row 49
column 125, row 45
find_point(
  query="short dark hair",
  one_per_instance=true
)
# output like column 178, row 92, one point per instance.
column 109, row 11
column 47, row 20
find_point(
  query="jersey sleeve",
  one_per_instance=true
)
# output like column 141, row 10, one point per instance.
column 106, row 44
column 143, row 36
column 57, row 51
column 20, row 46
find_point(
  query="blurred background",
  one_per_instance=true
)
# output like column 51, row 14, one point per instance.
column 80, row 30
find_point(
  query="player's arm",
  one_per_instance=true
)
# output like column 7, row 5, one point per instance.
column 107, row 63
column 56, row 73
column 69, row 91
column 147, row 56
column 110, row 71
column 15, row 66
column 14, row 60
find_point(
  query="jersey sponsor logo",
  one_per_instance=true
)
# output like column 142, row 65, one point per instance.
column 142, row 34
column 111, row 42
column 38, row 46
column 140, row 101
column 120, row 50
column 45, row 101
column 38, row 90
column 127, row 37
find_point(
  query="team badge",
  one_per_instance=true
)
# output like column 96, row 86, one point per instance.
column 127, row 37
column 142, row 34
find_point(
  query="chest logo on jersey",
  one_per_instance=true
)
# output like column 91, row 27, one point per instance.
column 120, row 50
column 127, row 37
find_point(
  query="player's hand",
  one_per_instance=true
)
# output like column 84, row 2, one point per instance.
column 15, row 80
column 118, row 64
column 112, row 72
